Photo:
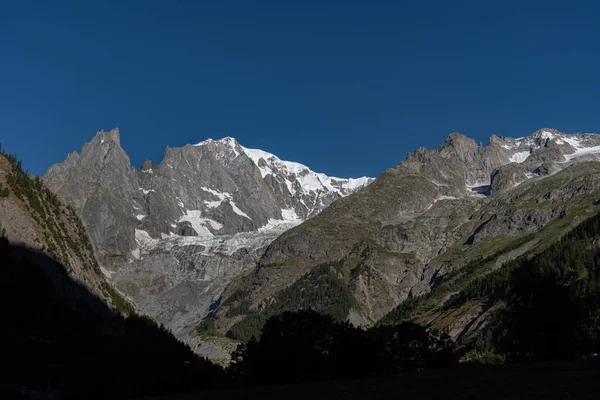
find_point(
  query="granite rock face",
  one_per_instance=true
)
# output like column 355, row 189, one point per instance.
column 172, row 235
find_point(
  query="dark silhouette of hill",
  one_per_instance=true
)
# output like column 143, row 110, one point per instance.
column 57, row 336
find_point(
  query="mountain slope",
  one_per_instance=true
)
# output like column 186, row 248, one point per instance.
column 171, row 236
column 30, row 214
column 421, row 222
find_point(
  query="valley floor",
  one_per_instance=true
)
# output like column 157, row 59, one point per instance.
column 572, row 380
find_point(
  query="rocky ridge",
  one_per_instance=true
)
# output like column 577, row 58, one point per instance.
column 421, row 222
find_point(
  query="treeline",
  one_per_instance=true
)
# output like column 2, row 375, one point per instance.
column 307, row 346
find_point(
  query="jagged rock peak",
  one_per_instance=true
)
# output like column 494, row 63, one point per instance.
column 147, row 165
column 456, row 138
column 72, row 158
column 113, row 135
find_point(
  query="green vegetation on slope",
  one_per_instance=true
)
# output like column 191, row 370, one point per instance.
column 324, row 289
column 47, row 210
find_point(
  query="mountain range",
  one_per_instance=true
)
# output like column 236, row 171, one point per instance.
column 222, row 233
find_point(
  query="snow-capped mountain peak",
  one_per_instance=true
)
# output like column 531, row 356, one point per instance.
column 298, row 178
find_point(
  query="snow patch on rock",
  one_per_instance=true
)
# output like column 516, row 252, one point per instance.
column 289, row 219
column 520, row 157
column 199, row 223
column 223, row 196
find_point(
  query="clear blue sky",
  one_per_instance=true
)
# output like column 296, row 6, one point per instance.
column 346, row 87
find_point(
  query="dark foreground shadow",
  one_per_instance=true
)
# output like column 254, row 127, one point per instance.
column 551, row 380
column 57, row 337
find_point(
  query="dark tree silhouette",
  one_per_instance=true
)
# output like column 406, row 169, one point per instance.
column 307, row 346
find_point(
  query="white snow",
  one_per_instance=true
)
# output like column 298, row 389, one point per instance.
column 143, row 239
column 223, row 196
column 574, row 142
column 311, row 182
column 200, row 224
column 440, row 198
column 547, row 135
column 355, row 183
column 146, row 191
column 228, row 142
column 582, row 152
column 444, row 198
column 520, row 157
column 106, row 272
column 213, row 204
column 308, row 179
column 289, row 215
column 202, row 143
column 136, row 253
column 579, row 148
column 289, row 218
column 140, row 217
column 238, row 211
column 291, row 171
